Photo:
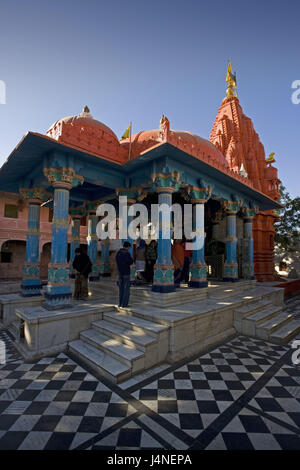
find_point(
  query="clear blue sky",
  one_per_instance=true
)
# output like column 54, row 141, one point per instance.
column 135, row 59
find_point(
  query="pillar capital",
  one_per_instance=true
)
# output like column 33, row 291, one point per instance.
column 137, row 193
column 34, row 195
column 231, row 207
column 77, row 212
column 217, row 217
column 166, row 182
column 248, row 213
column 63, row 177
column 91, row 207
column 199, row 195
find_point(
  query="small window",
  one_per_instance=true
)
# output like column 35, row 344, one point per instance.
column 83, row 221
column 50, row 215
column 11, row 211
column 6, row 257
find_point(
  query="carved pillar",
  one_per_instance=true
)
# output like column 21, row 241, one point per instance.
column 231, row 266
column 247, row 243
column 58, row 292
column 132, row 195
column 31, row 284
column 76, row 214
column 198, row 269
column 165, row 184
column 92, row 240
column 104, row 261
column 216, row 225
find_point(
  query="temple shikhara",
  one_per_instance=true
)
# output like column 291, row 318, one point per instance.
column 52, row 184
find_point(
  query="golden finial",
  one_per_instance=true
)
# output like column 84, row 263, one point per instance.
column 231, row 82
column 86, row 109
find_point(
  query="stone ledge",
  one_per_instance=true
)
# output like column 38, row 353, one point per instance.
column 40, row 314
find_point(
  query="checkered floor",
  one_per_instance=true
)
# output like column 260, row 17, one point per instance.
column 244, row 394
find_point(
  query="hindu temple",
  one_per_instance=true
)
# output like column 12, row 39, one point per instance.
column 60, row 178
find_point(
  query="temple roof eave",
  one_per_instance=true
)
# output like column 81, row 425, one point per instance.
column 30, row 151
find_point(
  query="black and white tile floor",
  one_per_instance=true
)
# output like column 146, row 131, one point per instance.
column 245, row 394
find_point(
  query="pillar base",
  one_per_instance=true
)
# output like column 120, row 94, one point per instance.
column 248, row 271
column 231, row 273
column 197, row 284
column 94, row 274
column 58, row 291
column 57, row 301
column 163, row 289
column 31, row 284
column 31, row 288
column 163, row 278
column 198, row 276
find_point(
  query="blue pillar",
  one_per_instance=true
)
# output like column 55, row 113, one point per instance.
column 163, row 280
column 231, row 266
column 75, row 241
column 31, row 283
column 104, row 260
column 198, row 269
column 130, row 202
column 247, row 244
column 92, row 240
column 58, row 292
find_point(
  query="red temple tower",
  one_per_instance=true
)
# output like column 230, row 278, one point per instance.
column 234, row 135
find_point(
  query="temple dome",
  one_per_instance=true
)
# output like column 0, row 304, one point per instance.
column 87, row 134
column 186, row 141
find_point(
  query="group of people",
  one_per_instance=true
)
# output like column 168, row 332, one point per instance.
column 145, row 259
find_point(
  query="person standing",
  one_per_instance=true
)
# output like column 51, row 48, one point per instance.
column 83, row 266
column 178, row 261
column 187, row 261
column 124, row 261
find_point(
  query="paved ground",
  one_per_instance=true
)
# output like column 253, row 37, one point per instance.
column 245, row 394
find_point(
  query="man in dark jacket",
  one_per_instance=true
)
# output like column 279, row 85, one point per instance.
column 124, row 261
column 83, row 265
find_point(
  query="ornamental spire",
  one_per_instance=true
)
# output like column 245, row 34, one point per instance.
column 86, row 112
column 231, row 82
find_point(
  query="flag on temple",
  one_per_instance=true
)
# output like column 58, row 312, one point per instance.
column 127, row 132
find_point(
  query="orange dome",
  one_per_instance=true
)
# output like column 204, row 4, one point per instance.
column 186, row 141
column 88, row 134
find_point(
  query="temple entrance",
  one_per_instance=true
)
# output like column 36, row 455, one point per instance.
column 214, row 245
column 215, row 258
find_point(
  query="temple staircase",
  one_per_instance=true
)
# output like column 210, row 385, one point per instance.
column 122, row 345
column 264, row 320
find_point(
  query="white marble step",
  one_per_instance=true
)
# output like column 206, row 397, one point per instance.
column 263, row 315
column 286, row 332
column 265, row 329
column 135, row 323
column 252, row 322
column 113, row 347
column 101, row 362
column 124, row 334
column 251, row 308
column 222, row 292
